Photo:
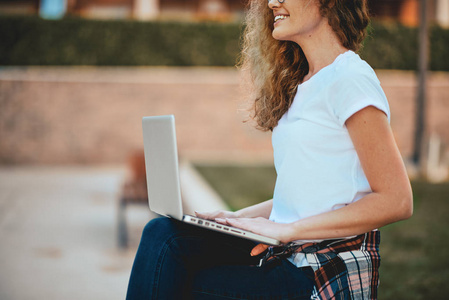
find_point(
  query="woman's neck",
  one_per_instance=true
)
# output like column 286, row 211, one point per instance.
column 321, row 48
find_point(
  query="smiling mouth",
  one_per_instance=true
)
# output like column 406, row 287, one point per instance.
column 280, row 17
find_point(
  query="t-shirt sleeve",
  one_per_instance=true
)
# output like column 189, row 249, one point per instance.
column 355, row 92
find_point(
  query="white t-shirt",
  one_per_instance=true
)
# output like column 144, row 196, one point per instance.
column 317, row 167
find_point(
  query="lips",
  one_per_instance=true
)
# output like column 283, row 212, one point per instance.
column 280, row 17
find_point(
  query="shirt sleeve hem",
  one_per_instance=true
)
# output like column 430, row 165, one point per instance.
column 358, row 107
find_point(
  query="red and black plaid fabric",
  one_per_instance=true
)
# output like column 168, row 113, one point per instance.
column 345, row 269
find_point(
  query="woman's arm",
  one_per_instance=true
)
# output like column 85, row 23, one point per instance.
column 262, row 209
column 390, row 200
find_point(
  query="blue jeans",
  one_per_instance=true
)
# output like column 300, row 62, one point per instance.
column 181, row 261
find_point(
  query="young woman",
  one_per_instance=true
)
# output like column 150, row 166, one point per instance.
column 340, row 175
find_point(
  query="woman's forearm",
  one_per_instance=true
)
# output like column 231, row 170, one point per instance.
column 371, row 212
column 262, row 209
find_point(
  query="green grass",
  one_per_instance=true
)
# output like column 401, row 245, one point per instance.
column 415, row 261
column 240, row 187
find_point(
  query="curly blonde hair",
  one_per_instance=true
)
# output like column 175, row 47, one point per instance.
column 275, row 68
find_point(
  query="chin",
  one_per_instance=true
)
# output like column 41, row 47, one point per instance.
column 279, row 37
column 282, row 34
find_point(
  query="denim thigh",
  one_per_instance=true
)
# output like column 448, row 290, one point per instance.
column 278, row 279
column 179, row 261
column 171, row 252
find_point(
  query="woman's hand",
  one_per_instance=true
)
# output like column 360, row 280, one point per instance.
column 222, row 214
column 260, row 226
column 262, row 209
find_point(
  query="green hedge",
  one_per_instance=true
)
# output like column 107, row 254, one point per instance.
column 395, row 46
column 33, row 41
column 71, row 41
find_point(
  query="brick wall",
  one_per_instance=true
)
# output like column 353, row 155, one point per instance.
column 93, row 115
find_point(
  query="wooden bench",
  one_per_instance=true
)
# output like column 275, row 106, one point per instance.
column 133, row 191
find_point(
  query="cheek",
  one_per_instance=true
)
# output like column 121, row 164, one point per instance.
column 311, row 12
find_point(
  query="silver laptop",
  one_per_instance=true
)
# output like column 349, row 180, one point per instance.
column 164, row 189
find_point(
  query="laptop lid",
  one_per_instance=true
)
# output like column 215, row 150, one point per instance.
column 161, row 163
column 164, row 190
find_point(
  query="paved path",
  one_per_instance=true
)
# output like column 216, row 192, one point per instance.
column 58, row 232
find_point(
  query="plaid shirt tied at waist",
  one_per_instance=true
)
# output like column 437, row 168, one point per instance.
column 344, row 268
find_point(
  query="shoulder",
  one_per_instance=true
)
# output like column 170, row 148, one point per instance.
column 353, row 76
column 353, row 69
column 354, row 87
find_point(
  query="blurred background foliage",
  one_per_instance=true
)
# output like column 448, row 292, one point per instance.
column 30, row 40
column 72, row 41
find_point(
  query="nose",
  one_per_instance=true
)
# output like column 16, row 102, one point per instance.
column 274, row 3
